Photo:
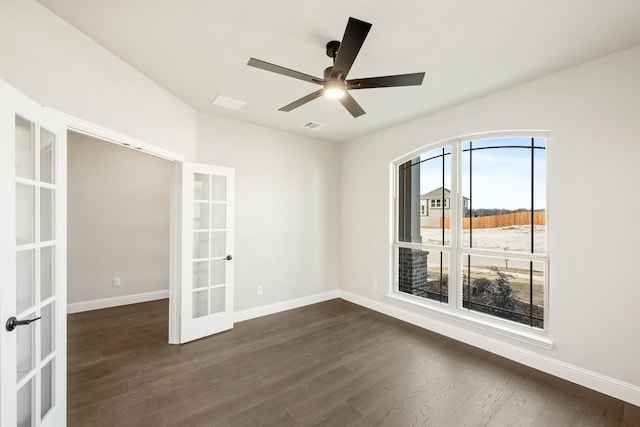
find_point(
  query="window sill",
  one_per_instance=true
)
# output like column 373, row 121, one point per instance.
column 446, row 313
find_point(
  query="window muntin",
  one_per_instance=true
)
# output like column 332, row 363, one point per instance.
column 495, row 260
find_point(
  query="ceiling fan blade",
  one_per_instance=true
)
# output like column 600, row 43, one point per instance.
column 350, row 45
column 253, row 62
column 301, row 101
column 414, row 79
column 351, row 105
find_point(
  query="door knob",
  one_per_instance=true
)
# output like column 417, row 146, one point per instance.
column 12, row 322
column 229, row 258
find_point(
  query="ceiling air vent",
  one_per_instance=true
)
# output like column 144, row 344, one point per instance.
column 225, row 101
column 314, row 125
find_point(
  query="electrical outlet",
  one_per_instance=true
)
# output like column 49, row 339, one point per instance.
column 115, row 282
column 259, row 290
column 375, row 285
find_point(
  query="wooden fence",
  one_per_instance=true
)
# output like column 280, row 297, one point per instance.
column 504, row 220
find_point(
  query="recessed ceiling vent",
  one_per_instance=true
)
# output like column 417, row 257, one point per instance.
column 314, row 125
column 225, row 101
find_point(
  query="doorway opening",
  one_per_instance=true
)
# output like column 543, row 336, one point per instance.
column 119, row 213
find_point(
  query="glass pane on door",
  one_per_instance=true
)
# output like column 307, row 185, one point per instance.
column 25, row 353
column 218, row 271
column 47, row 214
column 25, row 214
column 47, row 272
column 219, row 215
column 200, row 216
column 25, row 280
column 200, row 186
column 25, row 148
column 217, row 300
column 200, row 303
column 200, row 274
column 201, row 244
column 47, row 156
column 47, row 330
column 218, row 244
column 218, row 188
column 47, row 388
column 25, row 403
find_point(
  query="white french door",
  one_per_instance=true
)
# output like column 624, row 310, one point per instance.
column 32, row 263
column 206, row 297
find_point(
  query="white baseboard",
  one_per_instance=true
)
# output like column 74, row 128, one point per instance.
column 265, row 310
column 96, row 304
column 584, row 377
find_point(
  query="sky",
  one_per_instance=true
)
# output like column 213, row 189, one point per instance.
column 501, row 177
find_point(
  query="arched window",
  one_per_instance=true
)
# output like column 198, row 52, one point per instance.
column 471, row 228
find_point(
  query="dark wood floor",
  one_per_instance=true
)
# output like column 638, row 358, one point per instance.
column 329, row 364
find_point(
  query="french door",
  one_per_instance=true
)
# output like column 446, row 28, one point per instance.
column 32, row 263
column 206, row 296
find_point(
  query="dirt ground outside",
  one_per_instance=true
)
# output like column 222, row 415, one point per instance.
column 515, row 238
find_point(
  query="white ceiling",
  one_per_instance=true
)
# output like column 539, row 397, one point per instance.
column 198, row 49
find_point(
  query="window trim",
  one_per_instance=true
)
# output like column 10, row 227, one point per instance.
column 467, row 319
column 453, row 309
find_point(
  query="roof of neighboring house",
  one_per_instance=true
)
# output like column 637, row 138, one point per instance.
column 436, row 194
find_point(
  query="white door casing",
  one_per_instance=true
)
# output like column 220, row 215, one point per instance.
column 207, row 233
column 32, row 263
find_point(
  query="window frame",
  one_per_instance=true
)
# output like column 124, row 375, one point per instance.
column 453, row 309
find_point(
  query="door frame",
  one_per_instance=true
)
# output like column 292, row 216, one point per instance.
column 75, row 124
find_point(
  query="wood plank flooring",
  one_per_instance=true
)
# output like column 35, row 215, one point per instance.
column 329, row 364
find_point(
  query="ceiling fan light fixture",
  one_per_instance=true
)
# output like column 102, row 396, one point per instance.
column 334, row 89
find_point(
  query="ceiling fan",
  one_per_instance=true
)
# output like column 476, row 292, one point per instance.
column 335, row 84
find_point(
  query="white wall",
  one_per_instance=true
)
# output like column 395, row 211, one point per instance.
column 287, row 196
column 118, row 220
column 59, row 67
column 593, row 114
